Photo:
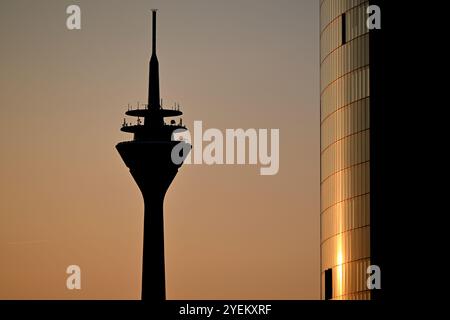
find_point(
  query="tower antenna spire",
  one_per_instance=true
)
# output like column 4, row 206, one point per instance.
column 153, row 88
column 154, row 31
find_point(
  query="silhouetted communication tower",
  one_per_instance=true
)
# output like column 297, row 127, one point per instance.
column 148, row 156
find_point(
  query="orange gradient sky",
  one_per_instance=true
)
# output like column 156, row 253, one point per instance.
column 67, row 198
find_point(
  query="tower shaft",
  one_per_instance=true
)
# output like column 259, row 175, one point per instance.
column 153, row 264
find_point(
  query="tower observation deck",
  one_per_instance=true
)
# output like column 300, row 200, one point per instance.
column 148, row 156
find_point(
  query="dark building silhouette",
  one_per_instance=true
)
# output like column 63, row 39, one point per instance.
column 148, row 156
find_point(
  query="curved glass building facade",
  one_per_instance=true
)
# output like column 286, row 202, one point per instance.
column 345, row 149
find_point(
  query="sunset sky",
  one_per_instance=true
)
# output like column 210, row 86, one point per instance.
column 67, row 198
